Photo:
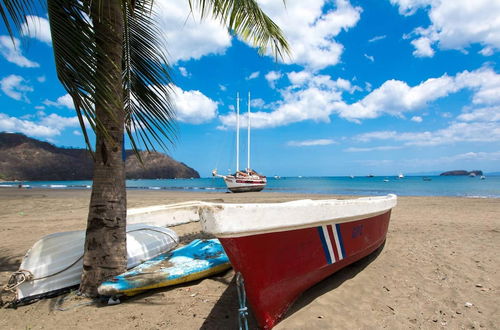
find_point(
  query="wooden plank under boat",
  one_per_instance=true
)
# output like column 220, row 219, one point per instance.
column 282, row 249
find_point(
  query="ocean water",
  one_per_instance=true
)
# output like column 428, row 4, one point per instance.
column 379, row 185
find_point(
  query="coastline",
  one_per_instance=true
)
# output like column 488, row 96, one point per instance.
column 441, row 252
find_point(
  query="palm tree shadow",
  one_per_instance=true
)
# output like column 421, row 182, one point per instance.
column 9, row 263
column 224, row 315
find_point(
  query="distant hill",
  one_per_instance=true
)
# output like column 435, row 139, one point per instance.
column 461, row 172
column 26, row 159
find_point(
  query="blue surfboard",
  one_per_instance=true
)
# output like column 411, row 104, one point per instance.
column 198, row 259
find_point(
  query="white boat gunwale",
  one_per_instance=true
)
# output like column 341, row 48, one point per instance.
column 238, row 220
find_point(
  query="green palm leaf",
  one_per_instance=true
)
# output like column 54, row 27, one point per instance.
column 247, row 20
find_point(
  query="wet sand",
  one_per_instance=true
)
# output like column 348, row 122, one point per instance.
column 441, row 254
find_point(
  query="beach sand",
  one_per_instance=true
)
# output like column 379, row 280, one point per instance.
column 441, row 254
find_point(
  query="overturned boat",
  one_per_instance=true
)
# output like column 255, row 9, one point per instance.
column 55, row 262
column 282, row 249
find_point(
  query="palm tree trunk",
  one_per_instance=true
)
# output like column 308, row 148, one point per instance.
column 105, row 244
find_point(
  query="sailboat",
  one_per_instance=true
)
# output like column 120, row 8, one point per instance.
column 245, row 180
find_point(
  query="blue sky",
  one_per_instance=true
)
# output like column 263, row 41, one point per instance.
column 376, row 87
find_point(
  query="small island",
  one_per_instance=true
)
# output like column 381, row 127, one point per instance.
column 462, row 173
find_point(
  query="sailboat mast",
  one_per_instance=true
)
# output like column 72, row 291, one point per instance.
column 237, row 132
column 248, row 137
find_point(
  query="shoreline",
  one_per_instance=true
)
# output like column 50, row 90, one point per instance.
column 440, row 253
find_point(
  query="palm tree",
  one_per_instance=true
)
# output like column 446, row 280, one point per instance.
column 109, row 59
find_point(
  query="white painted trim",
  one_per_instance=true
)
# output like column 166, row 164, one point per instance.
column 235, row 220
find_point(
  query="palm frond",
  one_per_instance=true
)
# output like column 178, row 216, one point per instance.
column 14, row 12
column 148, row 109
column 246, row 19
column 146, row 79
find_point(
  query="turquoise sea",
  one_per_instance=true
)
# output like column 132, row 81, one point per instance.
column 379, row 185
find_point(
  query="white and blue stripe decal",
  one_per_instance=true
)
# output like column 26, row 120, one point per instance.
column 332, row 242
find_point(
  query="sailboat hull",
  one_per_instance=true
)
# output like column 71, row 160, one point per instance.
column 247, row 184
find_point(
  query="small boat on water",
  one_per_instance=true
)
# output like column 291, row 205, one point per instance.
column 246, row 180
column 401, row 176
column 55, row 262
column 282, row 249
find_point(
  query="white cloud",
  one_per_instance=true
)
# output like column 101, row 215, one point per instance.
column 45, row 127
column 258, row 103
column 455, row 133
column 382, row 148
column 417, row 119
column 487, row 51
column 486, row 114
column 11, row 51
column 62, row 101
column 473, row 156
column 455, row 24
column 193, row 107
column 377, row 38
column 187, row 37
column 371, row 58
column 310, row 143
column 422, row 47
column 41, row 79
column 15, row 87
column 38, row 28
column 272, row 77
column 310, row 32
column 222, row 87
column 183, row 71
column 253, row 75
column 316, row 97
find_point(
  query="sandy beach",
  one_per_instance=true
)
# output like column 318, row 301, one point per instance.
column 439, row 269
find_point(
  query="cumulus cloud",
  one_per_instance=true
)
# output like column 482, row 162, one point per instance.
column 272, row 77
column 416, row 119
column 310, row 31
column 38, row 28
column 310, row 96
column 395, row 97
column 455, row 24
column 311, row 143
column 45, row 126
column 63, row 101
column 456, row 132
column 11, row 51
column 422, row 47
column 193, row 107
column 253, row 75
column 186, row 35
column 183, row 71
column 484, row 114
column 15, row 87
column 381, row 148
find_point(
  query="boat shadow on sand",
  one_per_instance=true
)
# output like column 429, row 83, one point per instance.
column 224, row 314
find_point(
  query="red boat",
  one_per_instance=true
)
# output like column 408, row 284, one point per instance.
column 282, row 249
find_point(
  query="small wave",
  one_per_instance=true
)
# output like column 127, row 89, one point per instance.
column 6, row 185
column 58, row 186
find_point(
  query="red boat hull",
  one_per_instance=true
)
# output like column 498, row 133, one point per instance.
column 277, row 267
